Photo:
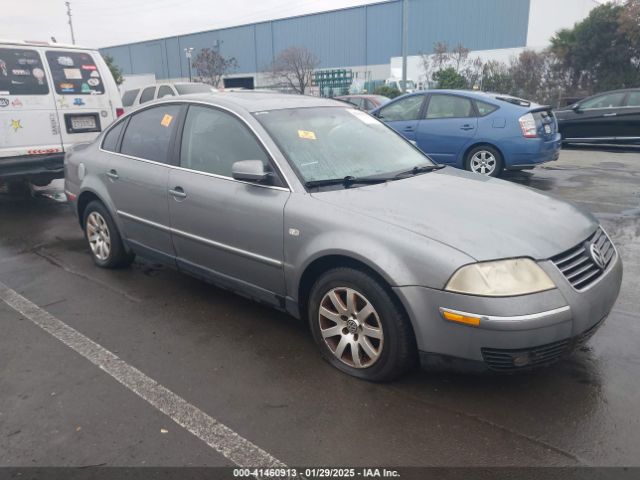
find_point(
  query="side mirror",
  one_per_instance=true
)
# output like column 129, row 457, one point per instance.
column 575, row 107
column 250, row 171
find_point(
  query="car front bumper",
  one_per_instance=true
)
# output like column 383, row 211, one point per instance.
column 514, row 332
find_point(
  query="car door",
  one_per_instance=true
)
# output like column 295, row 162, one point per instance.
column 593, row 118
column 229, row 231
column 629, row 118
column 403, row 114
column 28, row 120
column 449, row 126
column 137, row 179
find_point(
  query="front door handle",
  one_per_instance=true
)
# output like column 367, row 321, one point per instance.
column 178, row 192
column 610, row 114
column 408, row 129
column 467, row 127
column 113, row 174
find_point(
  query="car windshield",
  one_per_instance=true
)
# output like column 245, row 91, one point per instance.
column 187, row 88
column 332, row 142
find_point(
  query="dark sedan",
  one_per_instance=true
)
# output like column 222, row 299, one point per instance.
column 610, row 117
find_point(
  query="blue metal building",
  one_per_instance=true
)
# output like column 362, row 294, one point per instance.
column 361, row 36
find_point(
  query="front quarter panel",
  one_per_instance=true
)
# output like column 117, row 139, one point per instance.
column 315, row 229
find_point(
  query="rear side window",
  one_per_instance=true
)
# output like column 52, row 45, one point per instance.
column 149, row 133
column 21, row 73
column 165, row 91
column 74, row 73
column 188, row 88
column 129, row 97
column 147, row 94
column 449, row 106
column 110, row 142
column 403, row 110
column 485, row 108
column 213, row 140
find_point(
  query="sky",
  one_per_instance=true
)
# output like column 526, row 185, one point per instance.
column 101, row 23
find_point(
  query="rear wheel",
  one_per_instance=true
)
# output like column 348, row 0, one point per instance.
column 484, row 160
column 359, row 326
column 103, row 238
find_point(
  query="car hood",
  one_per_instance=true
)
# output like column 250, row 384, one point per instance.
column 485, row 218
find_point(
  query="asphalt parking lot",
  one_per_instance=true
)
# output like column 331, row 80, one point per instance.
column 257, row 371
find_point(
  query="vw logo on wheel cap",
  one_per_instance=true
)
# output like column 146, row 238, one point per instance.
column 596, row 256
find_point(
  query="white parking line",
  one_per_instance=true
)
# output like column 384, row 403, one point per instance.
column 221, row 438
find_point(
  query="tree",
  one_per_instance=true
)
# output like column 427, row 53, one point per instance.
column 496, row 77
column 294, row 66
column 388, row 91
column 115, row 70
column 211, row 66
column 602, row 52
column 449, row 78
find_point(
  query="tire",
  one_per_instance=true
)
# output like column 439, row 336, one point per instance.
column 493, row 161
column 386, row 332
column 107, row 250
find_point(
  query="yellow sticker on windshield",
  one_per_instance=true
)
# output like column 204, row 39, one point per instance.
column 307, row 135
column 166, row 120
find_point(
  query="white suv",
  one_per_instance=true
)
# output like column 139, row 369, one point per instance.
column 133, row 98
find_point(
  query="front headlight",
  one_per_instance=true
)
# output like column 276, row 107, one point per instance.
column 502, row 278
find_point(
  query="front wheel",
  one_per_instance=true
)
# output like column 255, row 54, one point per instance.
column 103, row 238
column 359, row 326
column 484, row 160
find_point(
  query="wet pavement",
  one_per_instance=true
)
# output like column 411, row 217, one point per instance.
column 258, row 371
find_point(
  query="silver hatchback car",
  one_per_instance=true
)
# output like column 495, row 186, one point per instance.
column 322, row 211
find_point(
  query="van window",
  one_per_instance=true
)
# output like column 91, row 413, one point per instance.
column 21, row 73
column 129, row 97
column 74, row 73
column 147, row 94
column 149, row 133
column 110, row 141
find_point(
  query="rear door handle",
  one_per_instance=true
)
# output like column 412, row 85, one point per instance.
column 113, row 174
column 467, row 127
column 408, row 129
column 610, row 114
column 178, row 192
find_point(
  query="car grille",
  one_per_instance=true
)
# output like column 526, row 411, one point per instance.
column 578, row 265
column 521, row 359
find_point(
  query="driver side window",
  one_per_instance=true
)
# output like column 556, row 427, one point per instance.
column 405, row 109
column 213, row 141
column 611, row 100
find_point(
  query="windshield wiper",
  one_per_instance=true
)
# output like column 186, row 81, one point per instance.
column 416, row 170
column 346, row 181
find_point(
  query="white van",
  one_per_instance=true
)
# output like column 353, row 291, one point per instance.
column 51, row 96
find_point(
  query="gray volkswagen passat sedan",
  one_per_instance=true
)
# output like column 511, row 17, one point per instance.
column 320, row 210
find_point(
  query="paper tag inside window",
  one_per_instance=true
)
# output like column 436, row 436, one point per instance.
column 166, row 120
column 307, row 135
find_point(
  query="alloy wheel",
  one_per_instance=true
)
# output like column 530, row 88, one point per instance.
column 350, row 327
column 99, row 236
column 483, row 162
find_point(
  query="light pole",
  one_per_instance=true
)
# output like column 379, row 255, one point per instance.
column 73, row 37
column 187, row 52
column 405, row 43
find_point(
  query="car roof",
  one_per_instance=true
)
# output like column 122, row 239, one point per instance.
column 261, row 101
column 37, row 43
